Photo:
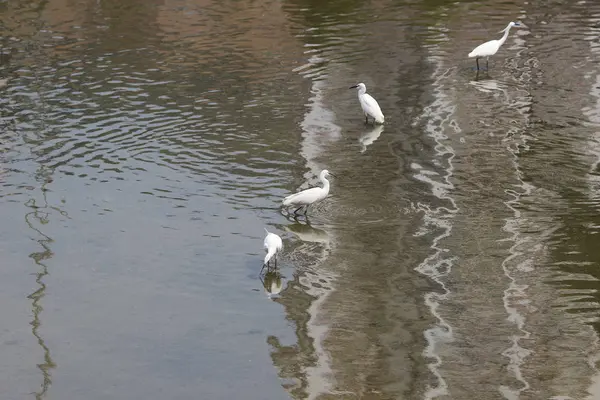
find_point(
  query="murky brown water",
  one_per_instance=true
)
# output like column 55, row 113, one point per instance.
column 145, row 145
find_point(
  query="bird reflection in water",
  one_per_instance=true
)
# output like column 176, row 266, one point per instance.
column 273, row 283
column 307, row 233
column 490, row 85
column 369, row 137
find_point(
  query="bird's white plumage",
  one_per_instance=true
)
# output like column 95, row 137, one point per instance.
column 273, row 244
column 368, row 104
column 486, row 49
column 309, row 196
column 490, row 48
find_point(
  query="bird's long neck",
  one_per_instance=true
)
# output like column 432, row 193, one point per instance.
column 503, row 39
column 362, row 91
column 325, row 183
column 270, row 253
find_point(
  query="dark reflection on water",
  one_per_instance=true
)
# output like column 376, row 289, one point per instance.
column 39, row 216
column 147, row 144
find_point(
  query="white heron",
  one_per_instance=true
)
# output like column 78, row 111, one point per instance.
column 309, row 196
column 273, row 245
column 368, row 104
column 490, row 48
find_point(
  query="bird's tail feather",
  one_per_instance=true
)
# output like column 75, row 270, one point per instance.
column 286, row 201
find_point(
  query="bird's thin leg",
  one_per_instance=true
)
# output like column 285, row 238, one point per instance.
column 306, row 209
column 297, row 209
column 487, row 66
column 263, row 267
column 366, row 119
column 477, row 62
column 275, row 261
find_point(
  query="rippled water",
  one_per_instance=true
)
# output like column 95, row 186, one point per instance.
column 145, row 145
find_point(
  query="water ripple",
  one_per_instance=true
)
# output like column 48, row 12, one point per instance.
column 145, row 126
column 438, row 221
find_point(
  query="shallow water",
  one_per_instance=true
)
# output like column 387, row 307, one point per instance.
column 145, row 145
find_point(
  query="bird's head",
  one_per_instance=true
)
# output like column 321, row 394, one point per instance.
column 325, row 173
column 359, row 86
column 510, row 25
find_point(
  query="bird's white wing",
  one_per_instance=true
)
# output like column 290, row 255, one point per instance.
column 273, row 241
column 307, row 196
column 485, row 50
column 371, row 107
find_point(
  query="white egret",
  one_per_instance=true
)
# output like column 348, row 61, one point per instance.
column 368, row 104
column 309, row 196
column 273, row 245
column 490, row 48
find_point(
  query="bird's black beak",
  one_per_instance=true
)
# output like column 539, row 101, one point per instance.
column 353, row 87
column 333, row 174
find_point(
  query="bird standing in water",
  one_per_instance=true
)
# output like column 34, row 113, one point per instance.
column 490, row 48
column 309, row 196
column 368, row 104
column 273, row 245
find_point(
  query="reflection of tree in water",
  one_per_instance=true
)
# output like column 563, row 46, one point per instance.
column 40, row 215
column 567, row 209
column 293, row 360
column 576, row 254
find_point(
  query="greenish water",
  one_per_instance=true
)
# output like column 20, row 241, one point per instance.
column 144, row 145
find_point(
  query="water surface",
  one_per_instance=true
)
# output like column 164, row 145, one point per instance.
column 145, row 145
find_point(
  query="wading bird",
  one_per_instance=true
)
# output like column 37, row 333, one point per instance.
column 309, row 196
column 368, row 104
column 273, row 245
column 490, row 48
